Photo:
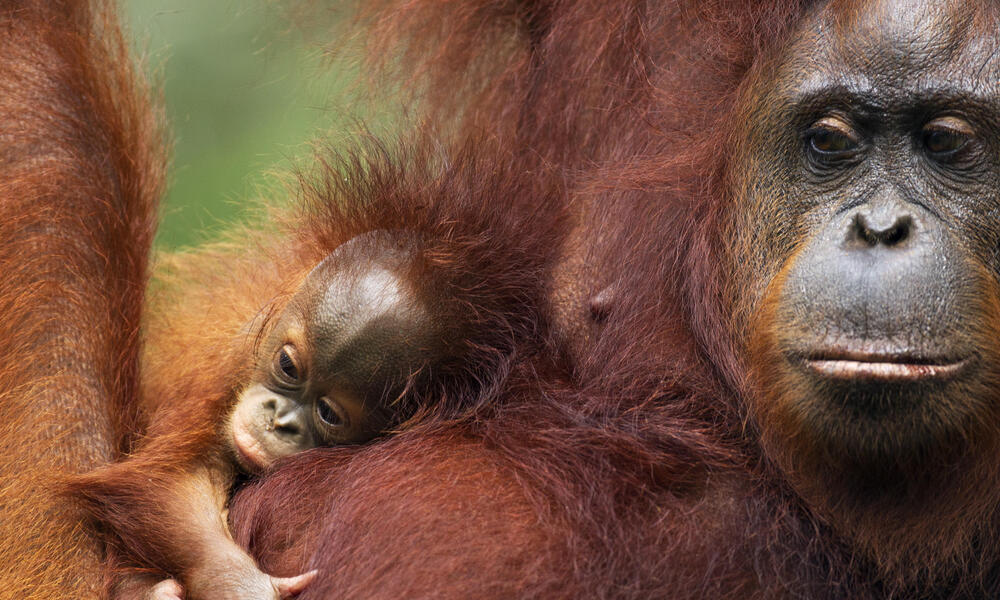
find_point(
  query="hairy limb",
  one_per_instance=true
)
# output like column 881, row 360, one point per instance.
column 174, row 519
column 80, row 170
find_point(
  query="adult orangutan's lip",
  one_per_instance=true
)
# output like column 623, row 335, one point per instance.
column 882, row 366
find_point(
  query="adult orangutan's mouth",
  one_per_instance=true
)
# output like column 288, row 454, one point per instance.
column 882, row 366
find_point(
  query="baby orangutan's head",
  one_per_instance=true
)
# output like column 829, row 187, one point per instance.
column 339, row 354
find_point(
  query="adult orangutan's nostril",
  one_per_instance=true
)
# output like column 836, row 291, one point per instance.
column 871, row 232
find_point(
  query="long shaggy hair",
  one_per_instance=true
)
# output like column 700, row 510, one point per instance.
column 640, row 458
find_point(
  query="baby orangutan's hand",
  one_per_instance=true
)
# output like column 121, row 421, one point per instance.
column 239, row 580
column 168, row 589
column 224, row 584
column 171, row 589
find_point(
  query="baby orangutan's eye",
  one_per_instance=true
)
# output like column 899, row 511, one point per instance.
column 285, row 364
column 331, row 413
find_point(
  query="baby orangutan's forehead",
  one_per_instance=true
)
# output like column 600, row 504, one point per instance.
column 367, row 324
column 352, row 299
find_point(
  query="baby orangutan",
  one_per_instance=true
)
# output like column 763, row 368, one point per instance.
column 334, row 366
column 347, row 342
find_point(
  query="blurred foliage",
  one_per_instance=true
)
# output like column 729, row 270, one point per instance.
column 244, row 94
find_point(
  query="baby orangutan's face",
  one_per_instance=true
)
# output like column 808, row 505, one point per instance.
column 337, row 357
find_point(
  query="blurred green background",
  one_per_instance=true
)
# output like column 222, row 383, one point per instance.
column 244, row 94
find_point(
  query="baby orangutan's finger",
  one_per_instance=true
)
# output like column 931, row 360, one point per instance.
column 291, row 586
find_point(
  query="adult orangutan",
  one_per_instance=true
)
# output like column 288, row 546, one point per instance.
column 778, row 308
column 771, row 372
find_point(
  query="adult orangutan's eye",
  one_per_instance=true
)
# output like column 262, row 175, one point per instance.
column 831, row 138
column 945, row 136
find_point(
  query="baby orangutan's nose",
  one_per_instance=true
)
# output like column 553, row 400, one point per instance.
column 285, row 419
column 288, row 423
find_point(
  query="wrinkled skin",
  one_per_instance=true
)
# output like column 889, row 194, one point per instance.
column 870, row 224
column 861, row 240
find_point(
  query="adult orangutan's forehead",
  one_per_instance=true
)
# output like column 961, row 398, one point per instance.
column 897, row 44
column 920, row 24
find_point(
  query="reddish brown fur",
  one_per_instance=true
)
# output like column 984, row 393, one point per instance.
column 632, row 106
column 80, row 171
column 618, row 461
column 476, row 263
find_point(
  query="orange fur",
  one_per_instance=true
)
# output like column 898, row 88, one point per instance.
column 611, row 457
column 80, row 172
column 210, row 307
column 649, row 442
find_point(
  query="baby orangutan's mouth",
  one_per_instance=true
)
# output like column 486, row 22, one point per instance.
column 884, row 366
column 247, row 448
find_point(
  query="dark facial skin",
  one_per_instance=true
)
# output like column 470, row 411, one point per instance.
column 337, row 356
column 870, row 221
